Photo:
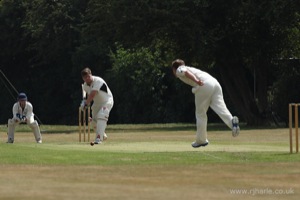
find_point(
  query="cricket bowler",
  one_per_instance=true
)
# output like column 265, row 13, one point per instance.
column 208, row 93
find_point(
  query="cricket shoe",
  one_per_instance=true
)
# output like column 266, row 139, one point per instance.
column 10, row 140
column 98, row 142
column 196, row 145
column 235, row 126
column 98, row 139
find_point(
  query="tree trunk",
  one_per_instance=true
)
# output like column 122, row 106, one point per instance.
column 234, row 81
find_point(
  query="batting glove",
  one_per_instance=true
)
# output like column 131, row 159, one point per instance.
column 83, row 105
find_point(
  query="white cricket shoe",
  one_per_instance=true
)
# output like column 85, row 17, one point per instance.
column 235, row 126
column 97, row 142
column 196, row 145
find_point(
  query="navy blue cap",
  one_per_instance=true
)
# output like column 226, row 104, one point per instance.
column 22, row 96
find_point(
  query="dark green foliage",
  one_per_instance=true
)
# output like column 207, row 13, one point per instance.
column 142, row 87
column 287, row 87
column 131, row 44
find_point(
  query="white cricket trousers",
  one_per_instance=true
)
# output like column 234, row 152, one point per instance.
column 209, row 95
column 100, row 115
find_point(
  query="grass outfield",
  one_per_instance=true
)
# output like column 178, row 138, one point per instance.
column 149, row 162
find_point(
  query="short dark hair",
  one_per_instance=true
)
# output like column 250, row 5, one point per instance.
column 86, row 71
column 177, row 63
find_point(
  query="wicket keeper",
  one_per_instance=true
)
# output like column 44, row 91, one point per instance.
column 23, row 113
column 102, row 98
column 208, row 93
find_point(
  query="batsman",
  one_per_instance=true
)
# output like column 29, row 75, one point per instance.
column 101, row 99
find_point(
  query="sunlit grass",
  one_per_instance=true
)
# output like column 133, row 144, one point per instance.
column 146, row 162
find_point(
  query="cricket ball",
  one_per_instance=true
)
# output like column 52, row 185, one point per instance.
column 92, row 143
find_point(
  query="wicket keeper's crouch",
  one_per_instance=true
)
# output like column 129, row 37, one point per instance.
column 23, row 113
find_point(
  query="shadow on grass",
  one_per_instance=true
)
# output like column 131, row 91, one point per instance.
column 58, row 129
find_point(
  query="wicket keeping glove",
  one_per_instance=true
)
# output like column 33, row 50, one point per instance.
column 23, row 119
column 18, row 115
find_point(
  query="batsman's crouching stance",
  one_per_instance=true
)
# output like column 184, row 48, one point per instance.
column 98, row 92
column 23, row 113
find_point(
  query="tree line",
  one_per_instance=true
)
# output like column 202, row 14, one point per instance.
column 251, row 47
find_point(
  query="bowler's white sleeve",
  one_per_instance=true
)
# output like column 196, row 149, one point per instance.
column 181, row 71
